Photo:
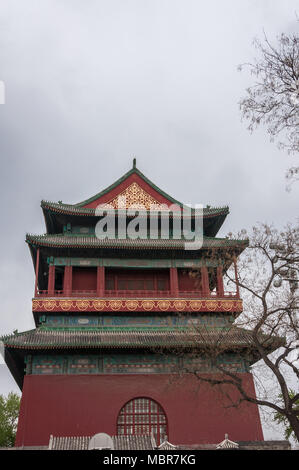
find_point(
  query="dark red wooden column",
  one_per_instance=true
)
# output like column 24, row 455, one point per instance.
column 67, row 280
column 51, row 279
column 174, row 283
column 236, row 276
column 36, row 273
column 101, row 281
column 205, row 281
column 220, row 287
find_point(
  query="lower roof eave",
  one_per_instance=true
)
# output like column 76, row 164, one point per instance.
column 15, row 366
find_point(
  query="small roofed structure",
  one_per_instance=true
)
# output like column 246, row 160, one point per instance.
column 133, row 442
column 227, row 444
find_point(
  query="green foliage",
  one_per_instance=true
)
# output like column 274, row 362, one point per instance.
column 282, row 419
column 9, row 412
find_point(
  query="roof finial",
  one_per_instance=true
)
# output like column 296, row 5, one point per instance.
column 134, row 162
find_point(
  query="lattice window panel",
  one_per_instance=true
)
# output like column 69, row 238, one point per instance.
column 135, row 196
column 142, row 416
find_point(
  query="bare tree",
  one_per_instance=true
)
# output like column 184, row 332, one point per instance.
column 273, row 99
column 268, row 329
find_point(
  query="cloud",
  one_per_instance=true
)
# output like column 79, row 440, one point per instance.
column 91, row 84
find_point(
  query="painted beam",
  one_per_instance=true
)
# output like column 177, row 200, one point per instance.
column 135, row 263
column 141, row 305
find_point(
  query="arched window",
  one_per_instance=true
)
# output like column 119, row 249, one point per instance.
column 142, row 416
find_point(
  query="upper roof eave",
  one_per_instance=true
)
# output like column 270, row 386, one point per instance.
column 54, row 212
column 74, row 210
column 79, row 241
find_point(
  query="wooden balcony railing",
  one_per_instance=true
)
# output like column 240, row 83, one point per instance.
column 136, row 294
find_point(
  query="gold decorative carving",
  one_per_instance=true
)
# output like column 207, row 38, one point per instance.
column 99, row 304
column 115, row 304
column 212, row 304
column 227, row 305
column 196, row 304
column 35, row 305
column 134, row 196
column 163, row 304
column 132, row 304
column 82, row 304
column 148, row 304
column 180, row 304
column 49, row 304
column 65, row 304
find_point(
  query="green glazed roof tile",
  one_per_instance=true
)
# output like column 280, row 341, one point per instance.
column 52, row 338
column 74, row 209
column 90, row 241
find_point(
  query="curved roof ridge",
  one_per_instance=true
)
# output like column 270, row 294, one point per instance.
column 119, row 181
column 91, row 211
column 93, row 241
column 39, row 337
column 123, row 178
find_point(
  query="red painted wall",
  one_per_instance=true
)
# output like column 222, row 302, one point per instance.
column 186, row 282
column 84, row 279
column 137, row 279
column 68, row 405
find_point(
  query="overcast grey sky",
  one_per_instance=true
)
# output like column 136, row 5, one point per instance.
column 90, row 85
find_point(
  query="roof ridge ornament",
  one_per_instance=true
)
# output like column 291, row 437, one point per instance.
column 227, row 444
column 166, row 445
column 134, row 162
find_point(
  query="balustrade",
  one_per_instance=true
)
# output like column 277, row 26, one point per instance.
column 136, row 294
column 202, row 292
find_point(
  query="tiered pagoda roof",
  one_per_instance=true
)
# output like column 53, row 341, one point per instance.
column 96, row 340
column 137, row 189
column 68, row 338
column 59, row 241
column 79, row 241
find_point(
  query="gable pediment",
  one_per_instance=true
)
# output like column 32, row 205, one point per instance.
column 134, row 196
column 133, row 189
